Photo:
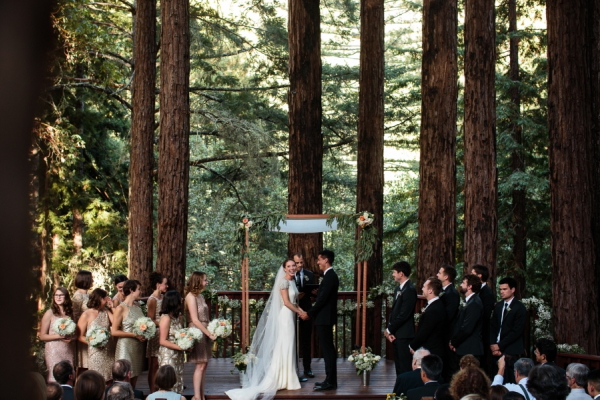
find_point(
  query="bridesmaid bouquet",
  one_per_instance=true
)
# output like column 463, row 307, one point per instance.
column 97, row 337
column 195, row 333
column 221, row 328
column 64, row 326
column 145, row 327
column 184, row 339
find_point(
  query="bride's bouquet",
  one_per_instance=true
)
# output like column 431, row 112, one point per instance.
column 364, row 362
column 219, row 327
column 64, row 326
column 184, row 339
column 97, row 337
column 145, row 327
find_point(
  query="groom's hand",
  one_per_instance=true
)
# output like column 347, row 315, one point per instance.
column 304, row 316
column 301, row 295
column 315, row 291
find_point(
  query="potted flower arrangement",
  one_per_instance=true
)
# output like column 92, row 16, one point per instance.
column 364, row 363
column 241, row 361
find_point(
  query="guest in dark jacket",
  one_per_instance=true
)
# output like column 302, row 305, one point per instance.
column 466, row 338
column 411, row 380
column 64, row 374
column 121, row 372
column 433, row 322
column 431, row 371
column 488, row 299
column 545, row 353
column 451, row 300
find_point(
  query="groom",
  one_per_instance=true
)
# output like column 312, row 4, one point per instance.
column 324, row 312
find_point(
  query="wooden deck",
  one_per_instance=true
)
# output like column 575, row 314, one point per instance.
column 219, row 379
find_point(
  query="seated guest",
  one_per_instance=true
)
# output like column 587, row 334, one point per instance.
column 577, row 375
column 497, row 392
column 470, row 381
column 431, row 370
column 121, row 373
column 468, row 361
column 443, row 393
column 545, row 353
column 54, row 391
column 122, row 391
column 546, row 383
column 165, row 380
column 90, row 386
column 513, row 396
column 411, row 380
column 593, row 383
column 522, row 369
column 64, row 374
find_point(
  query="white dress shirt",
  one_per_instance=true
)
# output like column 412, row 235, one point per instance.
column 327, row 270
column 578, row 394
column 468, row 297
column 502, row 316
column 499, row 379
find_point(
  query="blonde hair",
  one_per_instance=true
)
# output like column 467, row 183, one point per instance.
column 195, row 283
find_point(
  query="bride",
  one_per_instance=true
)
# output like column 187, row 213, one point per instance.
column 272, row 366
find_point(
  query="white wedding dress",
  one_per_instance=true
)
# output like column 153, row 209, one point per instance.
column 273, row 348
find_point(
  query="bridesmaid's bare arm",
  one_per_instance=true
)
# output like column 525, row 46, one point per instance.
column 116, row 330
column 152, row 310
column 45, row 328
column 192, row 305
column 165, row 325
column 82, row 326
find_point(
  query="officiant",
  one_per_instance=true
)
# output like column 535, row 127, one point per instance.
column 303, row 278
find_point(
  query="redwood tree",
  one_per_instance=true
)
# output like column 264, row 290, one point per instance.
column 437, row 169
column 306, row 140
column 142, row 142
column 573, row 127
column 173, row 161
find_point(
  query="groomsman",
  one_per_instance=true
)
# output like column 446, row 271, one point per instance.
column 488, row 299
column 303, row 277
column 507, row 326
column 401, row 326
column 451, row 300
column 466, row 338
column 432, row 324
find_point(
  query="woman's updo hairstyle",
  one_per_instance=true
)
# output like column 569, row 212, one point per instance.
column 96, row 297
column 156, row 278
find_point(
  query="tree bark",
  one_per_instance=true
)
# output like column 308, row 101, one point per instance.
column 306, row 140
column 437, row 168
column 573, row 128
column 141, row 167
column 173, row 160
column 481, row 179
column 370, row 179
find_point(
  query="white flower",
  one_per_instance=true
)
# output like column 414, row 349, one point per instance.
column 64, row 326
column 220, row 327
column 97, row 336
column 145, row 327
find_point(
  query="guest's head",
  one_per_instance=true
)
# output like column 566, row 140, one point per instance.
column 401, row 271
column 443, row 392
column 522, row 368
column 64, row 373
column 121, row 370
column 577, row 375
column 481, row 271
column 513, row 396
column 62, row 299
column 54, row 391
column 299, row 260
column 473, row 396
column 497, row 392
column 593, row 383
column 447, row 274
column 196, row 283
column 508, row 286
column 418, row 356
column 171, row 304
column 545, row 351
column 470, row 381
column 84, row 280
column 89, row 386
column 97, row 299
column 470, row 284
column 132, row 287
column 119, row 281
column 325, row 259
column 120, row 391
column 467, row 361
column 158, row 282
column 431, row 368
column 547, row 383
column 165, row 377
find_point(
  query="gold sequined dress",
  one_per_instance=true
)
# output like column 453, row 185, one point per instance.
column 172, row 357
column 153, row 344
column 57, row 350
column 130, row 348
column 101, row 359
column 202, row 350
column 80, row 301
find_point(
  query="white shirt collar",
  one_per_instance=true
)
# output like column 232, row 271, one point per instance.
column 468, row 297
column 69, row 386
column 447, row 285
column 402, row 284
column 327, row 270
column 483, row 284
column 431, row 301
column 509, row 301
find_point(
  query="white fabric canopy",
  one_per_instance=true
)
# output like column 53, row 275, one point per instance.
column 305, row 225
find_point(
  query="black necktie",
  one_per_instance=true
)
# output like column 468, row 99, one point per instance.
column 504, row 312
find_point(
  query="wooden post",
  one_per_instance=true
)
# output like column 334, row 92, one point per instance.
column 364, row 308
column 247, row 285
column 242, row 312
column 358, row 286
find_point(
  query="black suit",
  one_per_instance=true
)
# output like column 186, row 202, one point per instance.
column 511, row 330
column 138, row 394
column 305, row 327
column 68, row 393
column 407, row 381
column 431, row 332
column 451, row 300
column 561, row 371
column 428, row 390
column 402, row 325
column 488, row 299
column 324, row 312
column 466, row 337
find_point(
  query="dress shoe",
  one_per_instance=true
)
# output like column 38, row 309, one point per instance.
column 309, row 374
column 325, row 386
column 303, row 379
column 320, row 383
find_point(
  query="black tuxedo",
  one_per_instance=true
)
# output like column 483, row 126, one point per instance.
column 432, row 327
column 428, row 390
column 305, row 327
column 488, row 300
column 466, row 337
column 402, row 325
column 451, row 300
column 324, row 312
column 561, row 371
column 138, row 394
column 512, row 327
column 68, row 393
column 407, row 381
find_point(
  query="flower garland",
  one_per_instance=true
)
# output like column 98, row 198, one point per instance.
column 349, row 308
column 363, row 247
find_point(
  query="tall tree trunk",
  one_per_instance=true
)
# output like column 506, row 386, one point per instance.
column 573, row 127
column 142, row 142
column 370, row 180
column 77, row 230
column 518, row 164
column 437, row 168
column 481, row 179
column 306, row 140
column 174, row 146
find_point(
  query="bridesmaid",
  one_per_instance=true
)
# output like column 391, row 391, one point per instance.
column 57, row 348
column 99, row 359
column 158, row 283
column 171, row 319
column 129, row 345
column 83, row 283
column 119, row 281
column 199, row 316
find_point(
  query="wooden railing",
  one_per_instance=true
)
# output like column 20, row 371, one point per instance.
column 564, row 359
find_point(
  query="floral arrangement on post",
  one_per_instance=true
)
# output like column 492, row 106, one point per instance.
column 364, row 362
column 365, row 219
column 257, row 306
column 349, row 308
column 246, row 224
column 64, row 326
column 363, row 247
column 385, row 289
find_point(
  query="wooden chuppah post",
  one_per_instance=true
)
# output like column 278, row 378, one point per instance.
column 246, row 294
column 358, row 287
column 364, row 308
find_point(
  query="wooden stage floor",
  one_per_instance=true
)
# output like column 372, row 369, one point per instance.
column 219, row 379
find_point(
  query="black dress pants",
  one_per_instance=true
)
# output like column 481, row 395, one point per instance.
column 325, row 333
column 402, row 356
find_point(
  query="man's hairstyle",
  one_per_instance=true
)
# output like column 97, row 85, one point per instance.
column 481, row 270
column 432, row 366
column 329, row 255
column 546, row 347
column 579, row 372
column 443, row 392
column 120, row 391
column 171, row 304
column 450, row 271
column 523, row 366
column 436, row 285
column 95, row 299
column 593, row 379
column 497, row 392
column 120, row 369
column 419, row 354
column 297, row 255
column 470, row 381
column 467, row 361
column 165, row 377
column 53, row 391
column 89, row 386
column 511, row 282
column 473, row 281
column 403, row 267
column 62, row 370
column 83, row 280
column 130, row 286
column 513, row 396
column 119, row 278
column 547, row 383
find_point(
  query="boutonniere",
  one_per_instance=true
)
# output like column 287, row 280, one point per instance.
column 441, row 294
column 320, row 279
column 462, row 304
column 508, row 310
column 305, row 278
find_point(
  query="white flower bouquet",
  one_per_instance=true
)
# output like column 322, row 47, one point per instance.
column 195, row 333
column 64, row 326
column 184, row 339
column 365, row 219
column 145, row 327
column 364, row 362
column 97, row 337
column 241, row 361
column 220, row 327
